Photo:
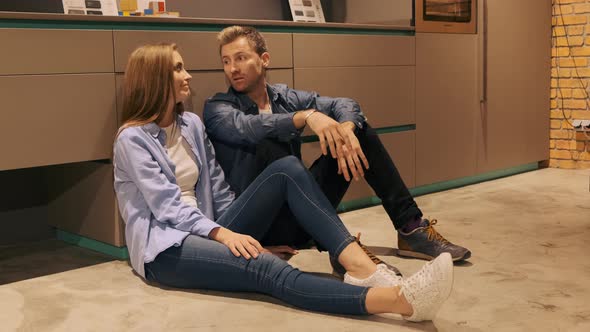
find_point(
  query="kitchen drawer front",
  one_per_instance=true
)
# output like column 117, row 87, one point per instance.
column 386, row 94
column 330, row 50
column 44, row 51
column 56, row 119
column 199, row 50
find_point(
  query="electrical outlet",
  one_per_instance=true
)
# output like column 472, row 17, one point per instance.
column 581, row 125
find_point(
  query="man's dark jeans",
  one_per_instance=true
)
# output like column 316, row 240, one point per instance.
column 382, row 176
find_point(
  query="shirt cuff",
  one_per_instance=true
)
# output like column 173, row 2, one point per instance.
column 286, row 128
column 204, row 227
column 358, row 121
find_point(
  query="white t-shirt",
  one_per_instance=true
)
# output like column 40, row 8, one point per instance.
column 265, row 110
column 187, row 170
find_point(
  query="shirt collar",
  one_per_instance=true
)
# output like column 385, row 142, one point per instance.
column 273, row 93
column 247, row 103
column 153, row 129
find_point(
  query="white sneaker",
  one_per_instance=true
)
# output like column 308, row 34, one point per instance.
column 383, row 277
column 427, row 289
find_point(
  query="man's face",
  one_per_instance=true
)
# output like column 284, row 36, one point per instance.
column 243, row 67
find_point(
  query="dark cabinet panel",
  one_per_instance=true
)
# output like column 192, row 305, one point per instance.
column 82, row 201
column 446, row 106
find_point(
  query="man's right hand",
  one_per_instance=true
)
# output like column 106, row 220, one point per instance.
column 339, row 138
column 351, row 160
column 329, row 132
column 239, row 244
column 283, row 252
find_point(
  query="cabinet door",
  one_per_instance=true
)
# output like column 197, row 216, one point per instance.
column 514, row 128
column 56, row 119
column 446, row 106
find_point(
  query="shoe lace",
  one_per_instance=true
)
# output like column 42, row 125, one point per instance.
column 389, row 275
column 371, row 255
column 418, row 281
column 433, row 235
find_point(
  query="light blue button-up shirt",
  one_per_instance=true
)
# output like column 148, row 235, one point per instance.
column 149, row 197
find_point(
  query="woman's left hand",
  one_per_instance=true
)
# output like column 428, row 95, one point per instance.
column 240, row 244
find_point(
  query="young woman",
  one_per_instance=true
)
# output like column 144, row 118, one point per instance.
column 184, row 228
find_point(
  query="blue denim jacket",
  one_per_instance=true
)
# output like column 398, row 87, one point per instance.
column 236, row 127
column 149, row 197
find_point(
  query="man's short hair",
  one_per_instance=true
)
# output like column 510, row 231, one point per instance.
column 254, row 38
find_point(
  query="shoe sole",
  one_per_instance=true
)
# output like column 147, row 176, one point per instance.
column 414, row 254
column 449, row 275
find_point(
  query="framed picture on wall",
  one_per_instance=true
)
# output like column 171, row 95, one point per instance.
column 307, row 11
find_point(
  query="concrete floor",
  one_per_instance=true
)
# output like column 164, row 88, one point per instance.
column 529, row 272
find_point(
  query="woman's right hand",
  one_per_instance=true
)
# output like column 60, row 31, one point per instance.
column 239, row 244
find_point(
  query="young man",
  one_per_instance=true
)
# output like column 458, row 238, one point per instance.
column 255, row 123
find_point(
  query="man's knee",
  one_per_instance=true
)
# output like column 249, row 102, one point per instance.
column 272, row 149
column 269, row 150
column 365, row 130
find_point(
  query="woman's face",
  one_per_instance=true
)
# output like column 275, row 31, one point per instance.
column 181, row 78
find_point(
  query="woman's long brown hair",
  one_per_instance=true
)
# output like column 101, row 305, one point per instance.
column 149, row 85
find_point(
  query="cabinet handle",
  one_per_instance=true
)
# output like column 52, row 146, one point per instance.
column 483, row 52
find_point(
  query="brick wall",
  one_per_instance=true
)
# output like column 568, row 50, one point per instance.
column 570, row 77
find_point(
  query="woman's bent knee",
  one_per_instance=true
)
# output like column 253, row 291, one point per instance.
column 290, row 165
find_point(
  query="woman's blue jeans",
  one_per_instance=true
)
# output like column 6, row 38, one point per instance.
column 206, row 264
